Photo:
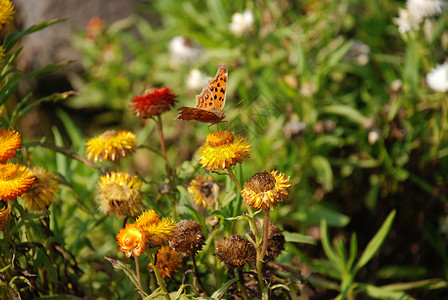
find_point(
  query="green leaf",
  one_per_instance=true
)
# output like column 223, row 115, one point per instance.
column 324, row 173
column 345, row 111
column 12, row 38
column 219, row 293
column 315, row 214
column 116, row 264
column 329, row 251
column 374, row 245
column 381, row 293
column 294, row 237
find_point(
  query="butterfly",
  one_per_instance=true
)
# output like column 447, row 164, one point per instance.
column 210, row 103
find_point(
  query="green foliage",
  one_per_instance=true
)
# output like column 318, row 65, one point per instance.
column 358, row 131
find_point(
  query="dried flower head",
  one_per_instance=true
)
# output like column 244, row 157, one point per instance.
column 155, row 230
column 187, row 238
column 111, row 145
column 131, row 241
column 204, row 190
column 236, row 252
column 14, row 180
column 265, row 190
column 153, row 102
column 4, row 216
column 9, row 142
column 168, row 261
column 120, row 194
column 6, row 12
column 276, row 242
column 41, row 193
column 222, row 150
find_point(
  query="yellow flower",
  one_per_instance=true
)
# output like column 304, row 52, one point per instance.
column 222, row 150
column 111, row 145
column 6, row 12
column 155, row 230
column 41, row 193
column 120, row 194
column 131, row 241
column 204, row 190
column 168, row 261
column 2, row 55
column 14, row 180
column 265, row 190
column 4, row 216
column 9, row 142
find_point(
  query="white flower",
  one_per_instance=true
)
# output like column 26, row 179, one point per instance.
column 183, row 51
column 197, row 80
column 437, row 79
column 359, row 53
column 420, row 9
column 406, row 21
column 242, row 23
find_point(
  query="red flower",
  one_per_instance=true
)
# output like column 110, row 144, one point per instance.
column 153, row 102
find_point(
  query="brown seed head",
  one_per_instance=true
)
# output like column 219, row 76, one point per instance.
column 187, row 238
column 236, row 252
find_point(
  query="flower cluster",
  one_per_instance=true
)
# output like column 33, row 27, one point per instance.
column 147, row 232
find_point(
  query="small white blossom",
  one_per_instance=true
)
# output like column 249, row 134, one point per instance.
column 420, row 9
column 373, row 136
column 197, row 80
column 241, row 22
column 183, row 51
column 359, row 53
column 406, row 21
column 437, row 79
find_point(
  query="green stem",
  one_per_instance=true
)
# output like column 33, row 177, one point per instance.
column 254, row 229
column 137, row 268
column 160, row 281
column 198, row 278
column 169, row 172
column 262, row 253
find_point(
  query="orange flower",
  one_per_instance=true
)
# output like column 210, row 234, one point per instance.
column 14, row 180
column 168, row 261
column 153, row 102
column 9, row 142
column 130, row 240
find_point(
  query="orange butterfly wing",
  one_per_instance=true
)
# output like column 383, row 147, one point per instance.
column 210, row 103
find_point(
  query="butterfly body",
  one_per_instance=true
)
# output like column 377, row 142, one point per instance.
column 210, row 103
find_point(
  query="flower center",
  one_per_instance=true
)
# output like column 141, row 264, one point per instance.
column 7, row 171
column 109, row 133
column 206, row 188
column 261, row 182
column 220, row 138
